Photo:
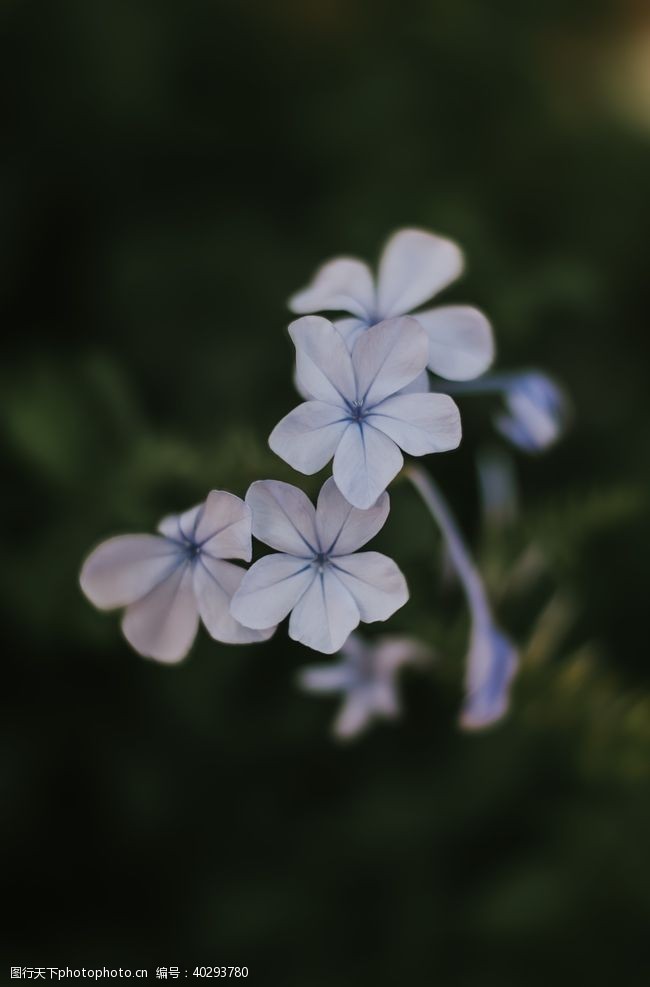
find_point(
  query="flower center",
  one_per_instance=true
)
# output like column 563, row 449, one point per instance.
column 357, row 413
column 320, row 561
column 192, row 551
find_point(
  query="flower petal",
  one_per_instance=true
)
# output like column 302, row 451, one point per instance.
column 163, row 624
column 350, row 329
column 376, row 583
column 414, row 266
column 123, row 569
column 215, row 583
column 324, row 615
column 181, row 526
column 353, row 717
column 283, row 517
column 492, row 663
column 461, row 342
column 419, row 423
column 325, row 678
column 342, row 528
column 418, row 386
column 269, row 590
column 365, row 462
column 307, row 437
column 323, row 364
column 389, row 356
column 538, row 412
column 224, row 527
column 342, row 284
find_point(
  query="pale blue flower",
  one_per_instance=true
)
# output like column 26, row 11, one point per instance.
column 357, row 414
column 316, row 575
column 170, row 581
column 367, row 677
column 414, row 266
column 536, row 412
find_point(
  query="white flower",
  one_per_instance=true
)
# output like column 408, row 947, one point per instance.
column 357, row 415
column 316, row 577
column 536, row 411
column 491, row 665
column 367, row 678
column 167, row 581
column 414, row 266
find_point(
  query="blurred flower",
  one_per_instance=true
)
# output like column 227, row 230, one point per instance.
column 414, row 266
column 357, row 415
column 491, row 665
column 168, row 581
column 536, row 412
column 367, row 678
column 316, row 577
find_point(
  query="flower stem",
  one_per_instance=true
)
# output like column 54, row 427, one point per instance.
column 468, row 574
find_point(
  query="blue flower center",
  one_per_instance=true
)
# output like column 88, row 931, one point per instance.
column 192, row 550
column 357, row 413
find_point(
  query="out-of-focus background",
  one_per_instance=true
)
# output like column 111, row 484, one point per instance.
column 169, row 174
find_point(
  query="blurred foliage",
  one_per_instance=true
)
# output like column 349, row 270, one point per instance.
column 169, row 174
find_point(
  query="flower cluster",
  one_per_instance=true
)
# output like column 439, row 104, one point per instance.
column 368, row 400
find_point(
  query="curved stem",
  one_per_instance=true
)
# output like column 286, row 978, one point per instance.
column 490, row 384
column 464, row 564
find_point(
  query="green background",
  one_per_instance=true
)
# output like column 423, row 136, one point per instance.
column 169, row 174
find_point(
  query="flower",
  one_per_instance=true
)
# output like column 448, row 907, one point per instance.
column 167, row 581
column 491, row 666
column 367, row 678
column 414, row 266
column 536, row 413
column 357, row 415
column 316, row 577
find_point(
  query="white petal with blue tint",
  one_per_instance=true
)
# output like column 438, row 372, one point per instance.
column 388, row 357
column 374, row 581
column 418, row 386
column 461, row 342
column 163, row 624
column 307, row 437
column 537, row 412
column 270, row 589
column 343, row 528
column 419, row 423
column 181, row 526
column 343, row 284
column 492, row 663
column 224, row 527
column 215, row 583
column 414, row 266
column 325, row 615
column 283, row 517
column 122, row 569
column 323, row 363
column 365, row 462
column 350, row 329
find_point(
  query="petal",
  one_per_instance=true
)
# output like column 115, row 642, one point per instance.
column 418, row 386
column 353, row 717
column 538, row 412
column 215, row 583
column 163, row 624
column 389, row 356
column 376, row 583
column 492, row 663
column 270, row 589
column 224, row 527
column 323, row 364
column 325, row 678
column 283, row 517
column 307, row 437
column 123, row 569
column 414, row 266
column 324, row 615
column 365, row 462
column 350, row 329
column 181, row 526
column 342, row 528
column 419, row 423
column 343, row 284
column 461, row 342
